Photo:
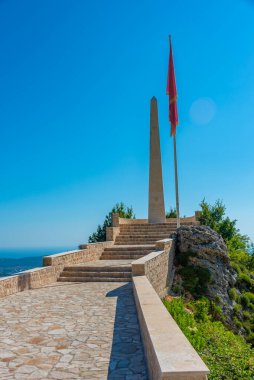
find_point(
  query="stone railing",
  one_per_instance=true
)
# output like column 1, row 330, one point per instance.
column 170, row 356
column 157, row 266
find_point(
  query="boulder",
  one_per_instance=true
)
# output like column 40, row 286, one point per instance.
column 204, row 250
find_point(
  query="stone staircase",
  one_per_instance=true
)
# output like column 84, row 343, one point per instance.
column 143, row 234
column 96, row 273
column 127, row 252
column 133, row 242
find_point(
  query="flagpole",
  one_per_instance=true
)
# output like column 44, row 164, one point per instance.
column 176, row 184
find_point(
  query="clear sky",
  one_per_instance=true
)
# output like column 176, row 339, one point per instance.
column 76, row 78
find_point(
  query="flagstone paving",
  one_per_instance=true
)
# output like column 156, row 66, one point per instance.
column 71, row 331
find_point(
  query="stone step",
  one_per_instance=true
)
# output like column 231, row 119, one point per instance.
column 128, row 248
column 145, row 235
column 107, row 269
column 138, row 237
column 121, row 257
column 147, row 229
column 94, row 279
column 96, row 274
column 122, row 254
column 148, row 225
column 134, row 242
column 131, row 241
column 128, row 251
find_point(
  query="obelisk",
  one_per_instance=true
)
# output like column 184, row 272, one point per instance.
column 156, row 208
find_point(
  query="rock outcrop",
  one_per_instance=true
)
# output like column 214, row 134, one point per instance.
column 202, row 266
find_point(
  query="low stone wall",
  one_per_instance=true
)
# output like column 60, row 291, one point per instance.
column 169, row 354
column 157, row 266
column 52, row 267
column 88, row 252
column 30, row 279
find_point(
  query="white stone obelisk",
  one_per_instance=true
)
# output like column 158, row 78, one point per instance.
column 156, row 208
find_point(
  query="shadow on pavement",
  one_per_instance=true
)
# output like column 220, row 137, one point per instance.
column 127, row 361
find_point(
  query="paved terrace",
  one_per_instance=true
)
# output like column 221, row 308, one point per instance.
column 71, row 331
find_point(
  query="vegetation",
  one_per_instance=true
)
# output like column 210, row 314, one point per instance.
column 119, row 208
column 241, row 253
column 171, row 213
column 227, row 355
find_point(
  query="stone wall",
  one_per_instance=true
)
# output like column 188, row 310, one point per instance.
column 30, row 279
column 157, row 266
column 88, row 252
column 53, row 266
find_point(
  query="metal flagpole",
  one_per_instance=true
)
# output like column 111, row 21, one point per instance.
column 176, row 184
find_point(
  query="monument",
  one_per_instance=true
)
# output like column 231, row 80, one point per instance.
column 156, row 208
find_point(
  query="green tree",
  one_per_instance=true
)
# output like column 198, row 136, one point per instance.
column 214, row 217
column 171, row 213
column 119, row 208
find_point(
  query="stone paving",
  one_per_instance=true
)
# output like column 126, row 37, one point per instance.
column 71, row 331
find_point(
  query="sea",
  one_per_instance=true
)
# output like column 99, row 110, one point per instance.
column 13, row 261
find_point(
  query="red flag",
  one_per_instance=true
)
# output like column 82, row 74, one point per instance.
column 171, row 91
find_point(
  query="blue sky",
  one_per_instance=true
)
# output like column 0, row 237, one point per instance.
column 76, row 78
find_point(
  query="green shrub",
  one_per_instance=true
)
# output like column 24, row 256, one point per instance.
column 250, row 296
column 247, row 314
column 216, row 312
column 251, row 306
column 200, row 309
column 244, row 301
column 183, row 258
column 233, row 294
column 227, row 355
column 237, row 308
column 250, row 338
column 245, row 280
column 176, row 289
column 195, row 279
column 236, row 267
column 237, row 322
column 171, row 213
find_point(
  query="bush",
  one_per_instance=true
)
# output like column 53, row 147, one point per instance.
column 200, row 309
column 244, row 301
column 237, row 308
column 250, row 296
column 233, row 294
column 246, row 315
column 195, row 279
column 171, row 213
column 216, row 312
column 236, row 267
column 245, row 281
column 176, row 289
column 227, row 355
column 237, row 322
